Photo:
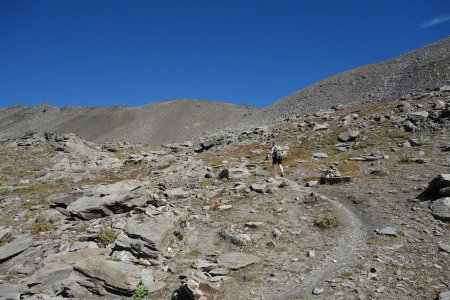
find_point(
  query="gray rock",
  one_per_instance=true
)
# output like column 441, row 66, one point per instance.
column 323, row 126
column 440, row 209
column 204, row 265
column 225, row 173
column 276, row 233
column 236, row 260
column 119, row 277
column 390, row 231
column 147, row 236
column 418, row 116
column 88, row 208
column 444, row 247
column 10, row 291
column 320, row 155
column 18, row 245
column 444, row 295
column 317, row 291
column 438, row 104
column 177, row 193
column 232, row 238
column 155, row 286
column 444, row 88
column 439, row 182
column 258, row 187
column 348, row 136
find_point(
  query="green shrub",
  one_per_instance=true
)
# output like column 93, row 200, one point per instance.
column 107, row 236
column 140, row 292
column 405, row 159
column 326, row 221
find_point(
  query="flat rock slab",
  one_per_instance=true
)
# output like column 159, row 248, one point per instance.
column 444, row 247
column 441, row 209
column 390, row 231
column 10, row 291
column 113, row 275
column 89, row 208
column 177, row 193
column 236, row 260
column 18, row 245
column 59, row 266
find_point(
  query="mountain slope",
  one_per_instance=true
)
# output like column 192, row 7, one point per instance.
column 154, row 123
column 420, row 70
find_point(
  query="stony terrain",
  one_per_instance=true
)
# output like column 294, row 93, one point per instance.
column 362, row 213
column 415, row 72
column 152, row 124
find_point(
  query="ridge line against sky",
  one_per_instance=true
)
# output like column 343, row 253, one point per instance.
column 108, row 53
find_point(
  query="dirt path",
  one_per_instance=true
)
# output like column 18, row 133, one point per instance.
column 348, row 245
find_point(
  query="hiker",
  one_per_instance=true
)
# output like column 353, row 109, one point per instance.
column 277, row 158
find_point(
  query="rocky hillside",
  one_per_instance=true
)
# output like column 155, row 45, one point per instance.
column 418, row 71
column 362, row 213
column 153, row 124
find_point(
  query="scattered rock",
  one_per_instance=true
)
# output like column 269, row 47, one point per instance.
column 348, row 136
column 16, row 246
column 440, row 209
column 236, row 260
column 390, row 231
column 317, row 291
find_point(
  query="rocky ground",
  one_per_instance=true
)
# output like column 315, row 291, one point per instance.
column 360, row 214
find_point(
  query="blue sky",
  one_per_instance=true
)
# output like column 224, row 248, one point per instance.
column 252, row 52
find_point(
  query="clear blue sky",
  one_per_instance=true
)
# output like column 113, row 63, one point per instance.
column 253, row 52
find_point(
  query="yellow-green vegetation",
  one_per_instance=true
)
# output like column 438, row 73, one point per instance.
column 30, row 204
column 107, row 236
column 327, row 221
column 345, row 275
column 350, row 168
column 400, row 232
column 140, row 292
column 195, row 253
column 376, row 241
column 41, row 227
column 405, row 159
column 207, row 182
column 115, row 257
column 360, row 266
column 81, row 229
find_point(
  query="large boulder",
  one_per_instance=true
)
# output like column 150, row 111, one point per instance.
column 58, row 267
column 117, row 277
column 18, row 245
column 146, row 236
column 438, row 183
column 10, row 291
column 97, row 207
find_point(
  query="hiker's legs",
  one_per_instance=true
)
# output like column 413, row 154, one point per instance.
column 281, row 170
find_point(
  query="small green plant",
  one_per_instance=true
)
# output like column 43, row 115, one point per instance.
column 360, row 267
column 376, row 241
column 195, row 253
column 107, row 236
column 326, row 221
column 400, row 232
column 81, row 229
column 179, row 236
column 405, row 159
column 140, row 292
column 41, row 227
column 207, row 182
column 115, row 257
